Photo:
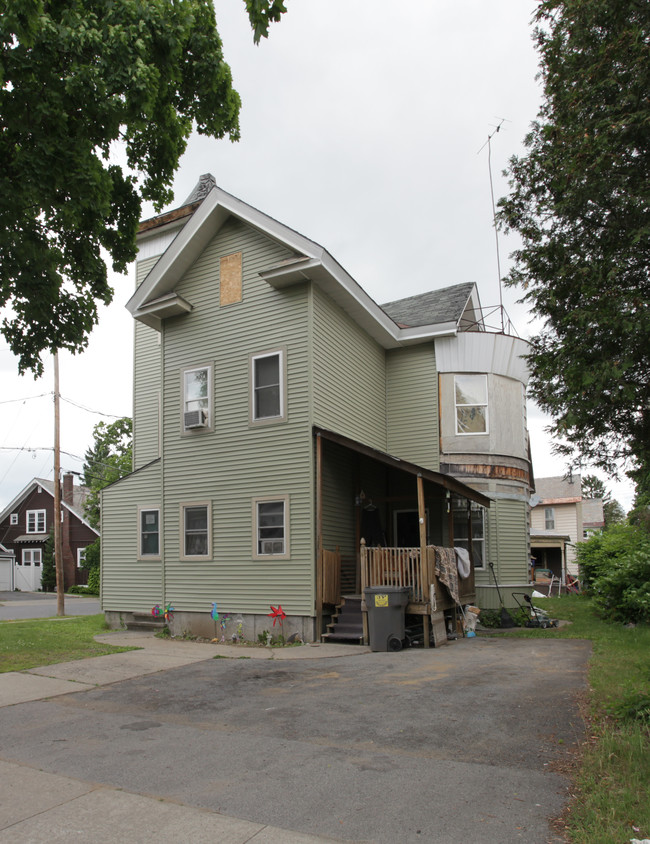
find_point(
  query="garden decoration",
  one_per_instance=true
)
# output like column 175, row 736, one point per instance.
column 277, row 614
column 156, row 612
column 224, row 623
column 214, row 612
column 169, row 612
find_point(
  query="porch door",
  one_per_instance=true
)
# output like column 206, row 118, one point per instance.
column 406, row 528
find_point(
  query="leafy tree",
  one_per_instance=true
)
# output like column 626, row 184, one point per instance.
column 80, row 80
column 48, row 571
column 107, row 460
column 593, row 487
column 579, row 201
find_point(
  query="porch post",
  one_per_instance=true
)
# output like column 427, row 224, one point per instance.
column 319, row 536
column 422, row 518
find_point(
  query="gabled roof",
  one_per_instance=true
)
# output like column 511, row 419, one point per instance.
column 433, row 307
column 559, row 489
column 79, row 495
column 207, row 209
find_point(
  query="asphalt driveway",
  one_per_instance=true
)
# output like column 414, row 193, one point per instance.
column 21, row 605
column 457, row 744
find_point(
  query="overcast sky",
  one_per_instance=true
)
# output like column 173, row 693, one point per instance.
column 364, row 127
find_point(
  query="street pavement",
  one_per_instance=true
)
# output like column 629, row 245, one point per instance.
column 21, row 605
column 304, row 744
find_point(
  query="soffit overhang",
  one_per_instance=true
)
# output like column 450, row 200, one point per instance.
column 312, row 263
column 446, row 481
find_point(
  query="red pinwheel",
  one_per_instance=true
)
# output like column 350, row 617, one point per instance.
column 277, row 614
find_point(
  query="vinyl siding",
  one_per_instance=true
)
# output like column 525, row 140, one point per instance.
column 146, row 384
column 338, row 500
column 349, row 375
column 412, row 405
column 567, row 518
column 236, row 461
column 507, row 544
column 129, row 584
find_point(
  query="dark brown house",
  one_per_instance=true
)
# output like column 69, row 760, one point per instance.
column 25, row 526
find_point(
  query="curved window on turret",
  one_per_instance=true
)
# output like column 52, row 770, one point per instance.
column 471, row 397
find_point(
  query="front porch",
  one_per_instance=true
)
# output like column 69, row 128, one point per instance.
column 384, row 522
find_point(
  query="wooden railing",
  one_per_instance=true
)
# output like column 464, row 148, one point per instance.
column 395, row 567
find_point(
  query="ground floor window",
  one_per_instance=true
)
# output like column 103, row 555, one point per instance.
column 195, row 519
column 32, row 557
column 462, row 526
column 271, row 534
column 149, row 532
column 81, row 557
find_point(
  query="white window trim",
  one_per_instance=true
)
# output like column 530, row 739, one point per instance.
column 81, row 556
column 281, row 352
column 192, row 432
column 146, row 509
column 263, row 499
column 13, row 519
column 195, row 557
column 32, row 552
column 552, row 519
column 473, row 404
column 35, row 513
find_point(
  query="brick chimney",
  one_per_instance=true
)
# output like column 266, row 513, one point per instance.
column 68, row 482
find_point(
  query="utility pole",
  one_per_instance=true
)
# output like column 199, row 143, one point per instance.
column 58, row 548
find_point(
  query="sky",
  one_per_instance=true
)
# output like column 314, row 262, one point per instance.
column 364, row 126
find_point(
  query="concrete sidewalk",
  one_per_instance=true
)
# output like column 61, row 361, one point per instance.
column 39, row 806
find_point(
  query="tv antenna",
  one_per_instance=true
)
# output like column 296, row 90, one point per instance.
column 488, row 144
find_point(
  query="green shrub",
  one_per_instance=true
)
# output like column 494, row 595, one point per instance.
column 93, row 581
column 623, row 593
column 599, row 555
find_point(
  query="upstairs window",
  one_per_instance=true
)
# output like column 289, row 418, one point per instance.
column 13, row 519
column 36, row 521
column 549, row 518
column 81, row 557
column 267, row 375
column 471, row 404
column 149, row 533
column 197, row 398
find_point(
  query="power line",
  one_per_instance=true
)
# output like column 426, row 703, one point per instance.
column 89, row 410
column 27, row 398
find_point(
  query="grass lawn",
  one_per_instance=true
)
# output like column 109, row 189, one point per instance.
column 43, row 641
column 612, row 775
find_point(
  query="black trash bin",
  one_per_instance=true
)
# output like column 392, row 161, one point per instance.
column 386, row 612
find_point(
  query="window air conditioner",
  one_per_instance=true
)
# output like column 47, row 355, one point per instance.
column 195, row 419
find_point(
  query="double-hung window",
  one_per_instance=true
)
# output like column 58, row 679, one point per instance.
column 549, row 518
column 268, row 387
column 32, row 556
column 471, row 398
column 195, row 520
column 36, row 521
column 271, row 527
column 197, row 398
column 462, row 530
column 149, row 532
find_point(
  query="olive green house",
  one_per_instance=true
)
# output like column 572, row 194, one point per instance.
column 290, row 434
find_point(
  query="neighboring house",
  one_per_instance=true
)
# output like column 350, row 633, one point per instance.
column 593, row 516
column 25, row 526
column 557, row 524
column 6, row 570
column 281, row 416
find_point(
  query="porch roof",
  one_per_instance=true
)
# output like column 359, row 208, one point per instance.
column 446, row 481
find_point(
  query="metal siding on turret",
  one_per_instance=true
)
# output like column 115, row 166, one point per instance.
column 348, row 376
column 412, row 405
column 237, row 461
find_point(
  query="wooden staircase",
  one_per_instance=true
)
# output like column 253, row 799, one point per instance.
column 347, row 622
